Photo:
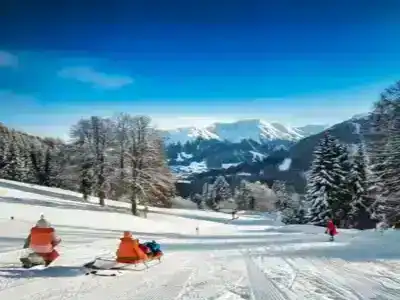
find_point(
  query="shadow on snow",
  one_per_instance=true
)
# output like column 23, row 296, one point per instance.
column 54, row 271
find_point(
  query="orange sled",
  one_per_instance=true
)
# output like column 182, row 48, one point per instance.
column 129, row 253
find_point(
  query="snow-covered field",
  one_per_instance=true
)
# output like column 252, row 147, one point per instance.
column 253, row 257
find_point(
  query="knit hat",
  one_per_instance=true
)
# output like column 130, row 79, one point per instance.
column 42, row 222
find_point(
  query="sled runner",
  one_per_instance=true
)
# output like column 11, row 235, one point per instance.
column 111, row 267
column 131, row 255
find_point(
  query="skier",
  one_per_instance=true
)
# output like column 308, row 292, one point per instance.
column 41, row 241
column 331, row 229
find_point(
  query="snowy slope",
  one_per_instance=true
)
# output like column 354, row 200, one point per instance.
column 255, row 129
column 254, row 257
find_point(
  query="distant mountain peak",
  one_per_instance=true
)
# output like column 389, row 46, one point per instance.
column 245, row 129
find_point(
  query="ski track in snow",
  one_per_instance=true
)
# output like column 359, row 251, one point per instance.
column 251, row 258
column 262, row 288
column 324, row 278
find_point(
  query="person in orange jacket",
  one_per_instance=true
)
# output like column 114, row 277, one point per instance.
column 331, row 229
column 42, row 241
column 129, row 251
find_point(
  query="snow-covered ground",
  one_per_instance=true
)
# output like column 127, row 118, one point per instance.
column 253, row 257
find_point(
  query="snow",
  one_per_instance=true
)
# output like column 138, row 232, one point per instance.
column 193, row 167
column 357, row 128
column 253, row 257
column 243, row 174
column 227, row 166
column 182, row 156
column 285, row 165
column 257, row 156
column 254, row 129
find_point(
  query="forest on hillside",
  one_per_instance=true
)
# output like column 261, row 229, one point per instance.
column 117, row 158
column 359, row 185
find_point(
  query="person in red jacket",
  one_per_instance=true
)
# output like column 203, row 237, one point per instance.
column 41, row 243
column 331, row 229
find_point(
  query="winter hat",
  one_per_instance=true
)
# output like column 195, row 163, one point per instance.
column 127, row 234
column 42, row 222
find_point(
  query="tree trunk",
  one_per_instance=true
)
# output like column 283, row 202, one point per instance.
column 101, row 181
column 101, row 196
column 134, row 206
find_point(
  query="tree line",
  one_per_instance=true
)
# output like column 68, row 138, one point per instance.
column 253, row 196
column 119, row 158
column 359, row 187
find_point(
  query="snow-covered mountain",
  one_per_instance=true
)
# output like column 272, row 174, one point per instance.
column 235, row 132
column 228, row 144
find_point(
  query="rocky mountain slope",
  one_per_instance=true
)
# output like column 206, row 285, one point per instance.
column 252, row 129
column 287, row 164
column 222, row 145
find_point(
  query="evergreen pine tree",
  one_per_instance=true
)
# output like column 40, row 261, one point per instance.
column 383, row 153
column 243, row 196
column 359, row 185
column 4, row 146
column 294, row 212
column 222, row 189
column 389, row 208
column 341, row 207
column 323, row 190
column 282, row 194
column 14, row 168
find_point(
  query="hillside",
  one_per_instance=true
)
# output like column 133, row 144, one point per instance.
column 297, row 158
column 253, row 257
column 98, row 160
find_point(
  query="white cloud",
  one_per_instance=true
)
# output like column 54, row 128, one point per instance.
column 99, row 79
column 8, row 59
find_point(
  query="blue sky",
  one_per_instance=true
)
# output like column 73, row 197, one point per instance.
column 194, row 62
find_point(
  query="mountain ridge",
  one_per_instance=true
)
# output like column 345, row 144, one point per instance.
column 245, row 129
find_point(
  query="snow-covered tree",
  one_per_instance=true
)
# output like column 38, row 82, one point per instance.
column 86, row 179
column 92, row 137
column 243, row 196
column 4, row 146
column 14, row 168
column 282, row 194
column 383, row 152
column 324, row 182
column 294, row 211
column 254, row 196
column 342, row 206
column 147, row 177
column 221, row 189
column 263, row 197
column 359, row 185
column 288, row 203
column 208, row 195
